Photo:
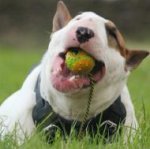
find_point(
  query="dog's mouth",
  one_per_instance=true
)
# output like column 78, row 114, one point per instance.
column 64, row 80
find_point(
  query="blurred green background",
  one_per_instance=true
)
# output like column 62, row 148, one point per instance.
column 27, row 23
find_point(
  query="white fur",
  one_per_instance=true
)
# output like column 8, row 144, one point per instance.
column 17, row 109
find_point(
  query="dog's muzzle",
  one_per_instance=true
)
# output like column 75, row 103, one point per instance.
column 83, row 34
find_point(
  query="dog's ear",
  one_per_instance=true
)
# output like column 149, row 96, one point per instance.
column 134, row 58
column 115, row 38
column 62, row 16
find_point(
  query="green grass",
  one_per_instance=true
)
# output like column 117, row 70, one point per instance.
column 15, row 65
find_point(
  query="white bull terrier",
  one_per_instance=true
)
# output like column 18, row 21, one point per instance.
column 52, row 88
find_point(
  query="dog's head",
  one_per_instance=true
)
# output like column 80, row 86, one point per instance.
column 97, row 36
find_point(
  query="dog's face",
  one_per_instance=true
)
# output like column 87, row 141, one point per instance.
column 97, row 36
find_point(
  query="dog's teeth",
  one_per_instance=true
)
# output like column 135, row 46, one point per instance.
column 72, row 78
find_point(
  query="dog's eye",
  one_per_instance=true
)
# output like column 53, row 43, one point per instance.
column 115, row 38
column 111, row 31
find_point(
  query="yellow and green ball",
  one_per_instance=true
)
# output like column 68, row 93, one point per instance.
column 79, row 62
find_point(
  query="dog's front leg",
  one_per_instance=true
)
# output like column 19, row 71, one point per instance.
column 16, row 115
column 16, row 110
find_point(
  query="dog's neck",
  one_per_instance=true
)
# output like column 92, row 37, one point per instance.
column 73, row 105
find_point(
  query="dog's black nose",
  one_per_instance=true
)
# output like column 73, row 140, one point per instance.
column 84, row 34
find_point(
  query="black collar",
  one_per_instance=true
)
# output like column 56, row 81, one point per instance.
column 109, row 120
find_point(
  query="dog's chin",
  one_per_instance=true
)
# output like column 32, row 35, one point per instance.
column 65, row 81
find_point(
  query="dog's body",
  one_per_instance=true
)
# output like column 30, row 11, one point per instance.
column 68, row 96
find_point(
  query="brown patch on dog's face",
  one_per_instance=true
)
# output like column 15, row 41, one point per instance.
column 115, row 38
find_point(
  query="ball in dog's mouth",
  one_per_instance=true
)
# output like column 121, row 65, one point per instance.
column 79, row 62
column 65, row 80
